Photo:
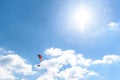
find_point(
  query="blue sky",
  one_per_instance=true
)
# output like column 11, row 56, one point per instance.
column 52, row 27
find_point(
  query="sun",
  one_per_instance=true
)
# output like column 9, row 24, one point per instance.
column 85, row 18
column 81, row 16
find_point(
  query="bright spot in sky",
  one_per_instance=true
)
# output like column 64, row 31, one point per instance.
column 86, row 19
column 81, row 16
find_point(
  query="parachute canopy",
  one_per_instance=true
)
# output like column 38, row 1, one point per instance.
column 40, row 57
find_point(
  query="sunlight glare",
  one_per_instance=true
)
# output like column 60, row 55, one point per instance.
column 81, row 17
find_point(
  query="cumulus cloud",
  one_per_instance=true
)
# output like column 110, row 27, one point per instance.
column 114, row 26
column 76, row 73
column 69, row 65
column 67, row 57
column 53, row 52
column 11, row 64
column 65, row 65
column 108, row 59
column 60, row 65
column 14, row 62
column 6, row 75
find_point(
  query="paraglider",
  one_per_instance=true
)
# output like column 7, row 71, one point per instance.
column 40, row 58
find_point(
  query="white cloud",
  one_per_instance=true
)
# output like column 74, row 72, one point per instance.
column 65, row 65
column 6, row 75
column 11, row 64
column 14, row 62
column 67, row 57
column 53, row 52
column 4, row 51
column 68, row 65
column 61, row 65
column 114, row 26
column 76, row 73
column 108, row 59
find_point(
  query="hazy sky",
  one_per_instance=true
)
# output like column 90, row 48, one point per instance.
column 79, row 39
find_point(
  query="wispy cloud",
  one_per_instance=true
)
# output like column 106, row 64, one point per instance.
column 108, row 59
column 114, row 25
column 11, row 64
column 4, row 51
